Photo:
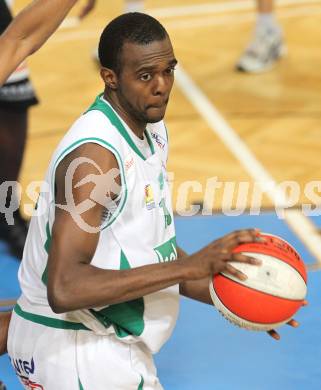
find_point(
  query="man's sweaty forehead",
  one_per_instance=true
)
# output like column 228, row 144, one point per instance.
column 141, row 56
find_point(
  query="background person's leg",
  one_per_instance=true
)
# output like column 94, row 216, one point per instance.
column 13, row 131
column 266, row 46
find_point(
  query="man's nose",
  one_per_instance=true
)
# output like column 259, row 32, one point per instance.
column 160, row 86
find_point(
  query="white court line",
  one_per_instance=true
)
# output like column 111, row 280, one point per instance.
column 226, row 6
column 217, row 20
column 66, row 35
column 299, row 223
column 70, row 22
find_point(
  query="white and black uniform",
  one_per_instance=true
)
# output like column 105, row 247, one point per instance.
column 17, row 92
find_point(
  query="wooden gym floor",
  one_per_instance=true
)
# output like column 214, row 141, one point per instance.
column 276, row 114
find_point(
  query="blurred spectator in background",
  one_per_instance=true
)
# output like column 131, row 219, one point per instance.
column 16, row 97
column 129, row 6
column 267, row 45
column 29, row 31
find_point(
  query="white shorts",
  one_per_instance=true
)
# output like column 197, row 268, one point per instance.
column 48, row 358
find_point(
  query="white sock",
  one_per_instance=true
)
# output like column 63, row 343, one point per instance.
column 267, row 21
column 134, row 6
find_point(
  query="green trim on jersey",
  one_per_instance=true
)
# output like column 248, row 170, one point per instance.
column 48, row 321
column 108, row 146
column 102, row 106
column 127, row 318
column 150, row 141
column 141, row 384
column 80, row 385
column 123, row 199
column 44, row 276
column 48, row 241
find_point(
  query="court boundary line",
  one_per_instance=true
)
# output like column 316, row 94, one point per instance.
column 227, row 6
column 76, row 32
column 226, row 19
column 7, row 302
column 302, row 226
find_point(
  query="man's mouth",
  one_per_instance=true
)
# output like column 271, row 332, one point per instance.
column 159, row 105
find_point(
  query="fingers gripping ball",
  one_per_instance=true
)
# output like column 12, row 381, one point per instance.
column 272, row 293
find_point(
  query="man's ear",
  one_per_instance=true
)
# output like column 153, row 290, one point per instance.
column 110, row 78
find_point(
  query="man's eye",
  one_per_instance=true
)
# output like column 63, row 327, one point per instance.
column 170, row 70
column 146, row 77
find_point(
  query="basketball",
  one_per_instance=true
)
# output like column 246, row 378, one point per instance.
column 272, row 293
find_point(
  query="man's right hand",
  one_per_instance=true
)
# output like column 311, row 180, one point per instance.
column 218, row 256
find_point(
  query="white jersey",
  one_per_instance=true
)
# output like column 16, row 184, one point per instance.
column 137, row 231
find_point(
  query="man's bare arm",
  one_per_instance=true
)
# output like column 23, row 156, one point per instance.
column 195, row 289
column 30, row 29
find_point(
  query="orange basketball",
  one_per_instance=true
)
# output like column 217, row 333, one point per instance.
column 273, row 292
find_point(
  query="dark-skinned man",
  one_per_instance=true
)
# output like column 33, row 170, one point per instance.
column 101, row 273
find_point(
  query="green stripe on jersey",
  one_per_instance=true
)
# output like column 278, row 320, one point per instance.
column 44, row 276
column 48, row 321
column 140, row 386
column 111, row 148
column 102, row 106
column 80, row 385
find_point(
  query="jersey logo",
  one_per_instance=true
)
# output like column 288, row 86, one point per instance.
column 159, row 140
column 23, row 369
column 129, row 163
column 149, row 197
column 167, row 251
column 167, row 215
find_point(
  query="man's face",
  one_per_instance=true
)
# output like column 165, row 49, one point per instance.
column 146, row 79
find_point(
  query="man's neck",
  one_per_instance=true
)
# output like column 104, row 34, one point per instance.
column 137, row 127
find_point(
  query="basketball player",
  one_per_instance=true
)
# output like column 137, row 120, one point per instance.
column 30, row 29
column 26, row 34
column 16, row 96
column 266, row 46
column 101, row 273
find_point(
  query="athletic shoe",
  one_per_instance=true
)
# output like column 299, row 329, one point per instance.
column 263, row 52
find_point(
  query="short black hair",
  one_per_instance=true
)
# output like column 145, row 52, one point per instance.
column 132, row 27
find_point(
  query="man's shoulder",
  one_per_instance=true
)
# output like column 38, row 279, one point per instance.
column 91, row 127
